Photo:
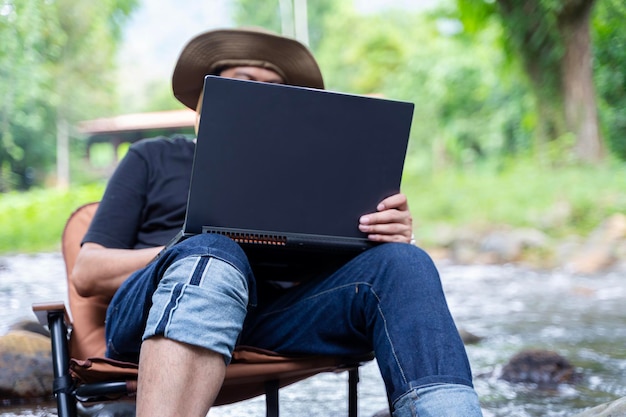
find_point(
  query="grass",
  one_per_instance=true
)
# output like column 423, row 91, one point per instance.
column 33, row 221
column 570, row 200
column 559, row 201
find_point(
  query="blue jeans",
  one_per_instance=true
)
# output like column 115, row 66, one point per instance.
column 388, row 299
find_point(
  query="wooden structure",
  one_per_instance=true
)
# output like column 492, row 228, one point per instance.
column 132, row 127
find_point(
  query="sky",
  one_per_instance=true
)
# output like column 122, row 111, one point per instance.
column 159, row 29
column 157, row 32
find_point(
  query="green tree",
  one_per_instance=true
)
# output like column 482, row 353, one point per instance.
column 609, row 37
column 22, row 110
column 56, row 67
column 266, row 14
column 551, row 39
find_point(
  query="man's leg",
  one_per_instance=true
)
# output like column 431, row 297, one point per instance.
column 188, row 307
column 388, row 299
column 165, row 366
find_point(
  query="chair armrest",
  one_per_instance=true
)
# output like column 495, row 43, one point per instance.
column 55, row 316
column 42, row 310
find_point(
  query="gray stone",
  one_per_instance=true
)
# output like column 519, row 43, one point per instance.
column 464, row 252
column 544, row 368
column 602, row 247
column 30, row 326
column 469, row 338
column 117, row 409
column 503, row 246
column 25, row 366
column 506, row 246
column 532, row 238
column 616, row 408
column 591, row 260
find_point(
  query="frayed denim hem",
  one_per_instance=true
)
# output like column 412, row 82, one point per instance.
column 439, row 400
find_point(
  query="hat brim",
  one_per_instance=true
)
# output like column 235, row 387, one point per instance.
column 200, row 56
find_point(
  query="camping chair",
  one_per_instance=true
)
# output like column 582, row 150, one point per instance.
column 83, row 374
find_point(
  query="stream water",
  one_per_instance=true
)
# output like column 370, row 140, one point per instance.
column 581, row 317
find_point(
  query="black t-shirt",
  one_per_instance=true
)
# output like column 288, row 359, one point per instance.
column 145, row 200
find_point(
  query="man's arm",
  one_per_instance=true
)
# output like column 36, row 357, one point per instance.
column 392, row 222
column 100, row 271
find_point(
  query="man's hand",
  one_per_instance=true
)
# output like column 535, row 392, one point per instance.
column 392, row 222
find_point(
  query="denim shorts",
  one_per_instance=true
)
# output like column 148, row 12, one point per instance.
column 202, row 300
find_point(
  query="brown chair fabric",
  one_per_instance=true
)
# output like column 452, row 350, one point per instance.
column 88, row 313
column 245, row 377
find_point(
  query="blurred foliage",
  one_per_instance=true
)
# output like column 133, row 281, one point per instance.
column 570, row 201
column 610, row 71
column 266, row 14
column 56, row 64
column 549, row 40
column 34, row 221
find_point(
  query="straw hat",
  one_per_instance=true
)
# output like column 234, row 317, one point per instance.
column 210, row 52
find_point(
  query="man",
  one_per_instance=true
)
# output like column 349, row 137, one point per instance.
column 182, row 314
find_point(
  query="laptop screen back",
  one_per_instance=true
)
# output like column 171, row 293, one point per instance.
column 296, row 161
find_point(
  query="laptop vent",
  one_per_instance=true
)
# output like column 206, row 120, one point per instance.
column 255, row 238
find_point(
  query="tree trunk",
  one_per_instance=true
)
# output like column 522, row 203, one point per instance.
column 581, row 116
column 531, row 35
column 562, row 81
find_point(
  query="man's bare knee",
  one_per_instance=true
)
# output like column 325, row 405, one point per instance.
column 171, row 373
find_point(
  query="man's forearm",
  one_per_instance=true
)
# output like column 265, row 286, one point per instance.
column 101, row 271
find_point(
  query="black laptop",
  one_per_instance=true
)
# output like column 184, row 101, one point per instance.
column 284, row 169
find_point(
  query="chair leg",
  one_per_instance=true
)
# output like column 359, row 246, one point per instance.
column 272, row 387
column 66, row 403
column 271, row 398
column 353, row 381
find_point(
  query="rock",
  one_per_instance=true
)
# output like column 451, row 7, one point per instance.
column 537, row 366
column 25, row 366
column 601, row 249
column 506, row 246
column 614, row 228
column 444, row 235
column 591, row 260
column 464, row 251
column 460, row 246
column 469, row 338
column 30, row 326
column 616, row 408
column 487, row 247
column 503, row 246
column 532, row 238
column 118, row 409
column 565, row 249
column 604, row 248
